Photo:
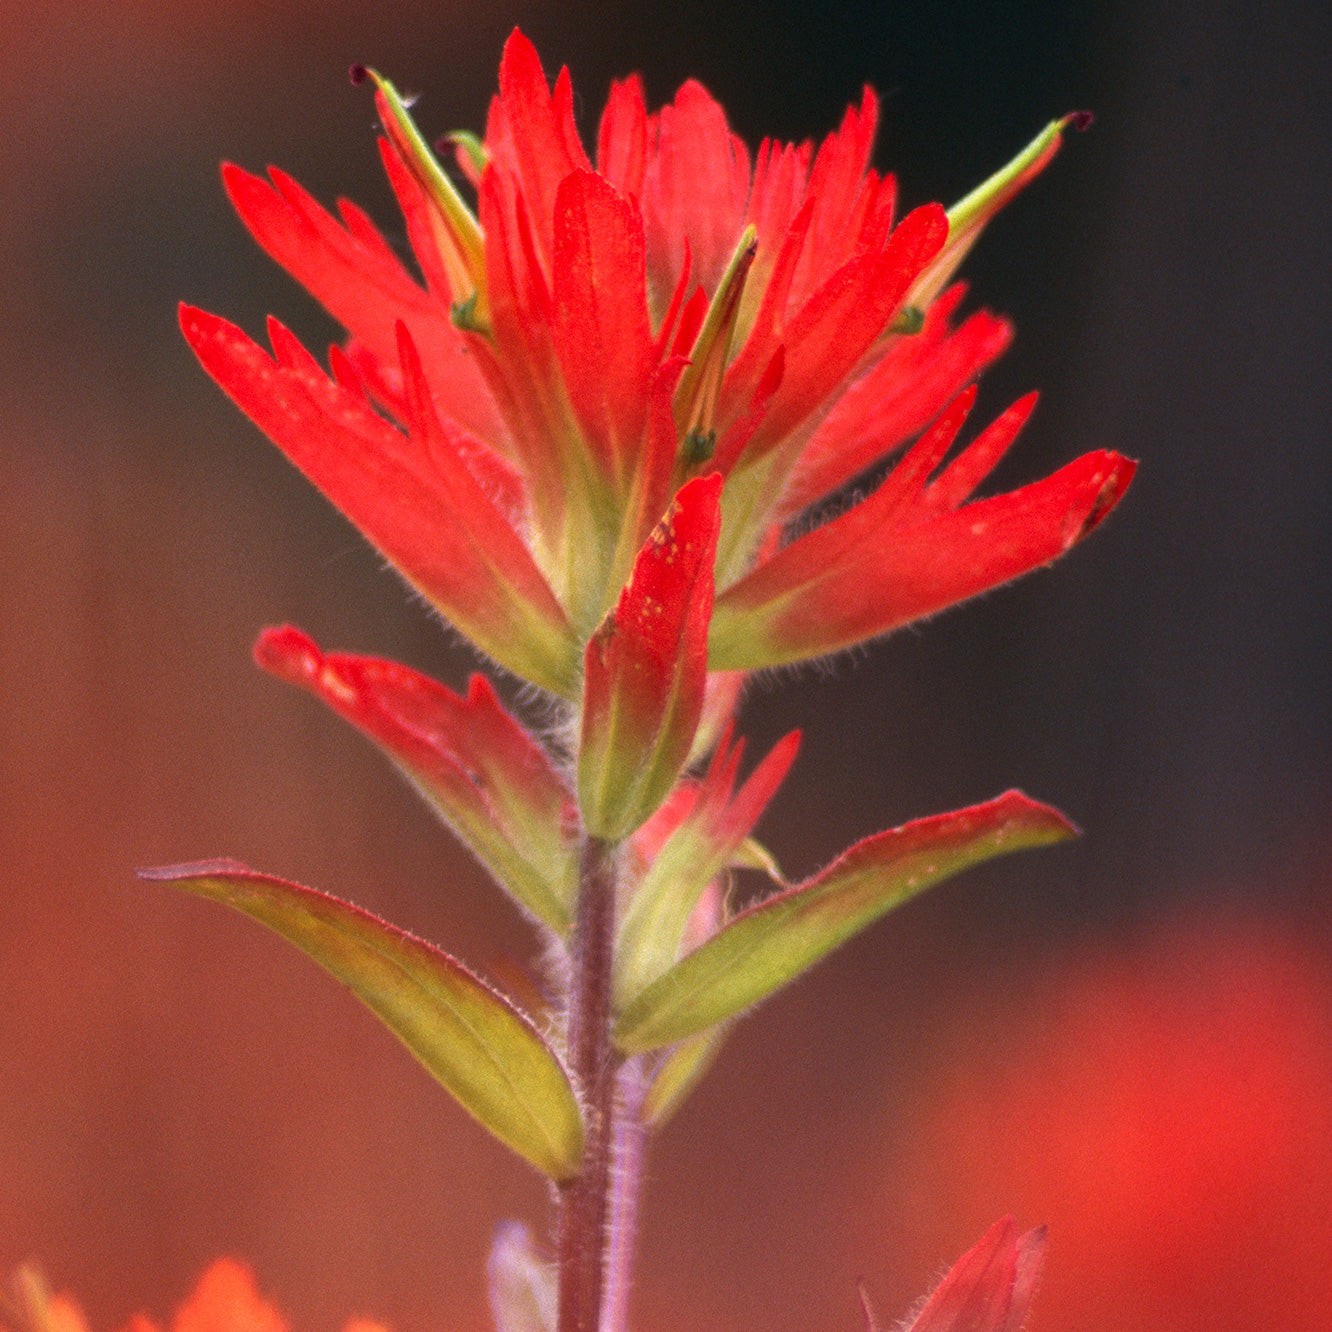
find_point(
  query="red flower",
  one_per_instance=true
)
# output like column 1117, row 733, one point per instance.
column 597, row 334
column 590, row 434
column 226, row 1299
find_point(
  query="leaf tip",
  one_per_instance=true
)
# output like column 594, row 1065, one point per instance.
column 1019, row 808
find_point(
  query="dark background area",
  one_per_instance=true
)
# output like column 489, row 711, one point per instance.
column 1130, row 1037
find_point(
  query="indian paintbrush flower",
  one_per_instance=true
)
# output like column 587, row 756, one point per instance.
column 601, row 433
column 673, row 313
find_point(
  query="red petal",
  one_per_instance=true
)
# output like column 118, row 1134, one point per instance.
column 519, row 360
column 651, row 491
column 897, row 398
column 695, row 189
column 651, row 836
column 851, row 210
column 989, row 1288
column 775, row 198
column 765, row 334
column 903, row 485
column 447, row 446
column 416, row 211
column 227, row 1300
column 979, row 458
column 602, row 334
column 427, row 514
column 540, row 142
column 363, row 286
column 745, row 810
column 646, row 666
column 622, row 136
column 677, row 310
column 840, row 322
column 903, row 554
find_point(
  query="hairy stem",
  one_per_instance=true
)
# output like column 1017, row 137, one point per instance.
column 626, row 1186
column 584, row 1203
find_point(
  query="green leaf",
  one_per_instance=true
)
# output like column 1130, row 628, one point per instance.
column 679, row 1073
column 471, row 1038
column 771, row 943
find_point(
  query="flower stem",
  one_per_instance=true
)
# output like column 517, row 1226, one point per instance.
column 626, row 1185
column 584, row 1202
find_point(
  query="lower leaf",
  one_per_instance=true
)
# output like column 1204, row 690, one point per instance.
column 771, row 943
column 468, row 1035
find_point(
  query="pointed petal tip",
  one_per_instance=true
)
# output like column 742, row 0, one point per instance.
column 234, row 177
column 192, row 319
column 519, row 53
column 288, row 653
column 1110, row 475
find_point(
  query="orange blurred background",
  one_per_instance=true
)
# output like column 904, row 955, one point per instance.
column 1129, row 1039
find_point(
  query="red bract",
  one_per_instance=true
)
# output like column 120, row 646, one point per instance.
column 596, row 334
column 225, row 1299
column 647, row 667
column 989, row 1288
column 472, row 761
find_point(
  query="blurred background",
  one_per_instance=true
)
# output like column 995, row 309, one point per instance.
column 1129, row 1038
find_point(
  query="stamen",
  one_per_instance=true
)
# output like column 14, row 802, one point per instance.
column 700, row 386
column 457, row 233
column 908, row 321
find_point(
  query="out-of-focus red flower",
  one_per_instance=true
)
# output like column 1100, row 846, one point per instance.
column 225, row 1300
column 1165, row 1104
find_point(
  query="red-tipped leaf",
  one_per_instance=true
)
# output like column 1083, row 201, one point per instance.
column 704, row 843
column 988, row 1289
column 469, row 1037
column 774, row 941
column 912, row 548
column 473, row 762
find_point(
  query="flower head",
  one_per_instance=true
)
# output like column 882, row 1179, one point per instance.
column 598, row 332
